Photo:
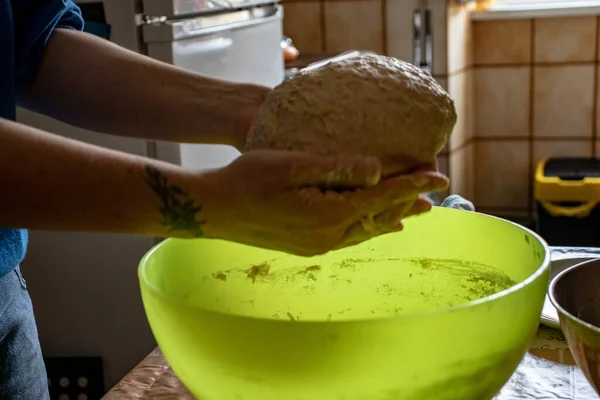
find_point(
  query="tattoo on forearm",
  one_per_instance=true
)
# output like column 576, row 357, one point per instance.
column 179, row 210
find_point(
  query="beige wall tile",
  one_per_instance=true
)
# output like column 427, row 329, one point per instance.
column 302, row 23
column 561, row 148
column 597, row 148
column 502, row 42
column 501, row 101
column 502, row 174
column 563, row 100
column 461, row 172
column 399, row 21
column 565, row 39
column 459, row 38
column 353, row 25
column 460, row 88
column 598, row 41
column 597, row 111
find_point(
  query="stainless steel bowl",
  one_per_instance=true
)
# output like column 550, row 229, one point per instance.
column 562, row 259
column 575, row 293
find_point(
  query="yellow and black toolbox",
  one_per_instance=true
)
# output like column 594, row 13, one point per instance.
column 567, row 194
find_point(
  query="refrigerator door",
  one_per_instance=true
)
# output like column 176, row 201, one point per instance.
column 171, row 8
column 243, row 46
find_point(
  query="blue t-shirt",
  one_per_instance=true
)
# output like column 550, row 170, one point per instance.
column 25, row 27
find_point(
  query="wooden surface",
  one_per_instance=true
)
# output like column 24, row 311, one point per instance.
column 150, row 379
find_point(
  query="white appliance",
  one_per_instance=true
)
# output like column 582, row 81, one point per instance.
column 236, row 40
column 84, row 286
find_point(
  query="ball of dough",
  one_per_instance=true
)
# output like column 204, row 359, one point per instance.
column 367, row 105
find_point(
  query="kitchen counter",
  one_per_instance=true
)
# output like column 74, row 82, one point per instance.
column 150, row 379
column 547, row 372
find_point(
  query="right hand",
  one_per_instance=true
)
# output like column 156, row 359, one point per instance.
column 308, row 205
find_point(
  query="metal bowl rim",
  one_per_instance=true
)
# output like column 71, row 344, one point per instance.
column 560, row 308
column 546, row 319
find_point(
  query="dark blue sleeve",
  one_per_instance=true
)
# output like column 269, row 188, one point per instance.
column 34, row 22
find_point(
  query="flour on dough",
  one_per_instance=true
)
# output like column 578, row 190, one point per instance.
column 367, row 105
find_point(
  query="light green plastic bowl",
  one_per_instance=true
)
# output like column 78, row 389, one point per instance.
column 406, row 316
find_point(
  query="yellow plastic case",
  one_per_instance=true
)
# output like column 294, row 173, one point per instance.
column 549, row 190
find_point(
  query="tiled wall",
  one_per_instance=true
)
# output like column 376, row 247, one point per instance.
column 535, row 95
column 386, row 27
column 381, row 26
column 460, row 87
column 336, row 25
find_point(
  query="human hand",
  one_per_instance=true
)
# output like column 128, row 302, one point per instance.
column 308, row 205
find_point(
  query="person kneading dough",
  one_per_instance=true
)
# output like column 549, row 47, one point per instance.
column 367, row 105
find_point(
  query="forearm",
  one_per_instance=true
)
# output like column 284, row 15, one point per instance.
column 49, row 182
column 94, row 84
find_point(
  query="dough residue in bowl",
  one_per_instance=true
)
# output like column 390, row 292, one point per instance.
column 354, row 288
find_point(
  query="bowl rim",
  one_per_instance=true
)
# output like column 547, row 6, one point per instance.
column 544, row 266
column 555, row 302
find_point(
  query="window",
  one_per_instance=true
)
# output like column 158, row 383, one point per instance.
column 542, row 3
column 535, row 8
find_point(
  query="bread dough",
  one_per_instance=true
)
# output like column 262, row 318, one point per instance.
column 367, row 105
